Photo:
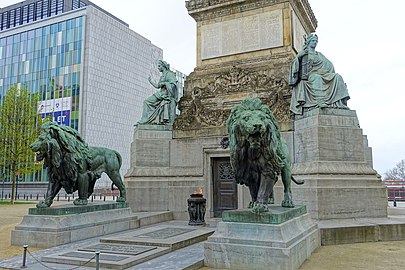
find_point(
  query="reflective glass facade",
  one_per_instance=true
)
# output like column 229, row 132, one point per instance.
column 90, row 69
column 30, row 11
column 46, row 60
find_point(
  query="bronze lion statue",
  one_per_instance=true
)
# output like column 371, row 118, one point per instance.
column 73, row 165
column 259, row 154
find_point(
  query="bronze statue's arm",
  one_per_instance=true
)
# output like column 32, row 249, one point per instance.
column 155, row 84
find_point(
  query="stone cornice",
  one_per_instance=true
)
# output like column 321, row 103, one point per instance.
column 202, row 10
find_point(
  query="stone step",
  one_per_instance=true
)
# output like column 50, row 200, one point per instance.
column 164, row 235
column 361, row 230
column 137, row 246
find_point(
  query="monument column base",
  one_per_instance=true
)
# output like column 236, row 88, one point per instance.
column 282, row 238
column 332, row 155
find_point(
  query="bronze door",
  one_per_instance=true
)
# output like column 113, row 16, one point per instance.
column 225, row 191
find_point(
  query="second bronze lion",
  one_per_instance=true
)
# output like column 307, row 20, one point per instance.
column 258, row 153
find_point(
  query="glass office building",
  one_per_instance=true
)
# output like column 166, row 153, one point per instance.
column 46, row 60
column 90, row 69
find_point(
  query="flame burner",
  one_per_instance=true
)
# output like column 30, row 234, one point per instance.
column 196, row 208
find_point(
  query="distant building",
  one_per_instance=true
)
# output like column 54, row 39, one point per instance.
column 395, row 189
column 90, row 69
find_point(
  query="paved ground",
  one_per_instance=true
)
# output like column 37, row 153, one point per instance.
column 380, row 255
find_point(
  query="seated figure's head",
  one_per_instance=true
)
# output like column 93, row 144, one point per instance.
column 310, row 41
column 163, row 65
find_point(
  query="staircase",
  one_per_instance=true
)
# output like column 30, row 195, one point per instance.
column 160, row 243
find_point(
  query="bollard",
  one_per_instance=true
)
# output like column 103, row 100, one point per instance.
column 395, row 202
column 92, row 198
column 97, row 259
column 37, row 196
column 57, row 199
column 104, row 197
column 69, row 199
column 24, row 256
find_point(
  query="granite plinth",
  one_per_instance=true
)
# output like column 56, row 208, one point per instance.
column 275, row 215
column 238, row 245
column 71, row 209
column 53, row 229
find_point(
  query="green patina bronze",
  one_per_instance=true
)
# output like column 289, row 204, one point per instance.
column 160, row 108
column 73, row 165
column 275, row 215
column 258, row 153
column 314, row 80
column 62, row 210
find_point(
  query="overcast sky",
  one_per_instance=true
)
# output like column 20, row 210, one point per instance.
column 364, row 39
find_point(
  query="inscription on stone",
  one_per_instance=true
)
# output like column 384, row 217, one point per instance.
column 231, row 41
column 165, row 233
column 122, row 249
column 88, row 256
column 212, row 40
column 250, row 33
column 157, row 153
column 298, row 33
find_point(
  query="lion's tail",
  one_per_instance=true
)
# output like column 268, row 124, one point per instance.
column 119, row 158
column 298, row 182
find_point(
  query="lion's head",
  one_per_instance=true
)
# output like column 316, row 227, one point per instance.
column 253, row 132
column 64, row 153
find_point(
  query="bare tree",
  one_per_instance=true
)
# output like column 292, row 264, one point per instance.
column 397, row 173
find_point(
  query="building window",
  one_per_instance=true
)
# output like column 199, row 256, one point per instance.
column 78, row 4
column 31, row 10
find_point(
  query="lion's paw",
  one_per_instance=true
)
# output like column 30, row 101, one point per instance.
column 287, row 203
column 271, row 200
column 121, row 199
column 80, row 202
column 44, row 204
column 260, row 207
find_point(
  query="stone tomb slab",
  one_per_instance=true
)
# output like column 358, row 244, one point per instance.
column 118, row 249
column 112, row 256
column 171, row 236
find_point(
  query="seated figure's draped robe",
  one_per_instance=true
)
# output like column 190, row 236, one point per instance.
column 156, row 108
column 316, row 85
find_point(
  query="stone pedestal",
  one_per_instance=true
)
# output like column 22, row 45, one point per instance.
column 54, row 226
column 332, row 155
column 281, row 239
column 164, row 172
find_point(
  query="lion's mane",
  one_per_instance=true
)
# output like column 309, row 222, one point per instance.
column 68, row 154
column 252, row 118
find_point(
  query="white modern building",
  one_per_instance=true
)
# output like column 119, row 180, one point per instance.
column 89, row 67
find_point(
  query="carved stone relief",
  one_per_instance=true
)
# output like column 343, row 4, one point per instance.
column 209, row 105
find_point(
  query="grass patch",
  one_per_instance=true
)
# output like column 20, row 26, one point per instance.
column 8, row 202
